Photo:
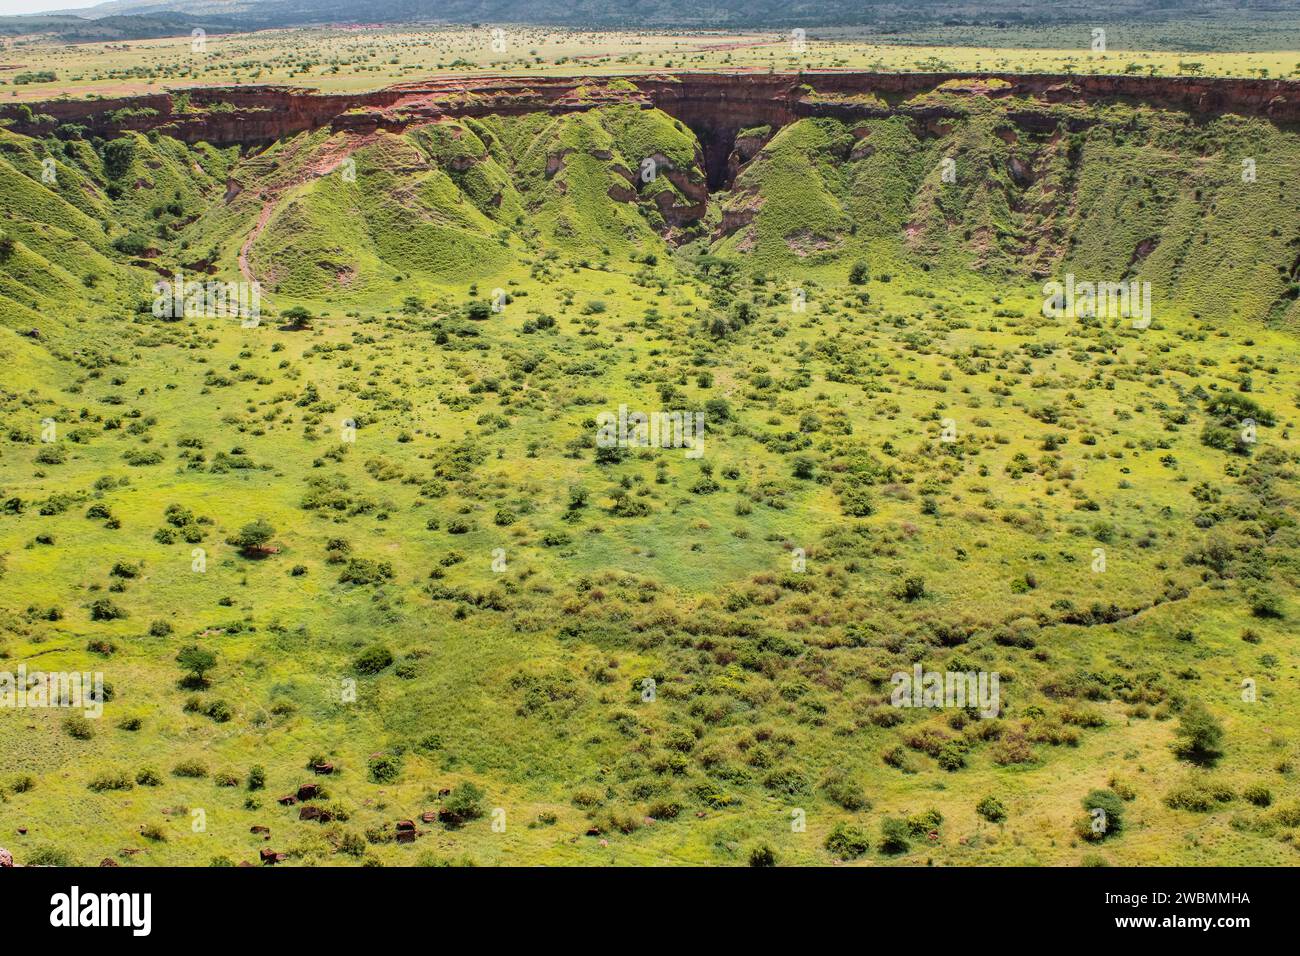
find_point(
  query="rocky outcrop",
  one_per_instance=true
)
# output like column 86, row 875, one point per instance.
column 746, row 146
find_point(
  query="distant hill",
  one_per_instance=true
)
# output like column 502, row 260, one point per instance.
column 885, row 14
column 79, row 29
column 1183, row 25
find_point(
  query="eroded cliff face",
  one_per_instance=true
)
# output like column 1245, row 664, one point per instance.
column 716, row 106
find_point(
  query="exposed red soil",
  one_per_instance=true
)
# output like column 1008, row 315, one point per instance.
column 712, row 100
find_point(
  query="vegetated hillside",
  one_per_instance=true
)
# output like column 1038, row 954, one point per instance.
column 1107, row 191
column 1139, row 195
column 372, row 544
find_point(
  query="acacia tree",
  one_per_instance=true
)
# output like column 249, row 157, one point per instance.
column 252, row 538
column 198, row 662
column 297, row 317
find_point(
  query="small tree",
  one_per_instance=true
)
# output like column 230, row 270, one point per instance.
column 297, row 318
column 578, row 496
column 6, row 246
column 198, row 662
column 252, row 537
column 1198, row 734
column 859, row 273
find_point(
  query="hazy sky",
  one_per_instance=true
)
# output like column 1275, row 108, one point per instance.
column 8, row 7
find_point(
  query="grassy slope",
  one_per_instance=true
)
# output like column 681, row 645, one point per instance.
column 1139, row 196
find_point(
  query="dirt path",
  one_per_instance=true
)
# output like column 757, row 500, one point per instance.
column 268, row 206
column 331, row 155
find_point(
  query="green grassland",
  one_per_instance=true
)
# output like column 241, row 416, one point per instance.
column 355, row 59
column 407, row 437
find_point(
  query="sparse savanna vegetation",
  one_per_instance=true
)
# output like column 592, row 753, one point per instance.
column 361, row 572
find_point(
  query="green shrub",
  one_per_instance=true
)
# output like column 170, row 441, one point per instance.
column 1109, row 822
column 1198, row 735
column 352, row 844
column 894, row 836
column 789, row 781
column 921, row 824
column 102, row 609
column 463, row 804
column 118, row 156
column 911, row 589
column 364, row 571
column 373, row 659
column 991, row 809
column 116, row 780
column 840, row 787
column 384, row 768
column 1190, row 798
column 847, row 842
column 49, row 856
column 154, row 832
column 762, row 856
column 1258, row 795
column 219, row 711
column 1265, row 604
column 78, row 727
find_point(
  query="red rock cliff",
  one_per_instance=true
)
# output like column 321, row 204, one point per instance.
column 715, row 105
